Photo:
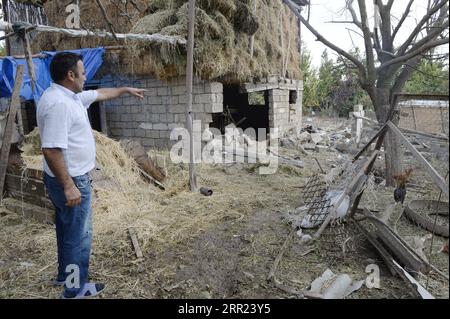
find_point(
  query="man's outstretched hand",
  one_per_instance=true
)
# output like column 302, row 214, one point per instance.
column 139, row 93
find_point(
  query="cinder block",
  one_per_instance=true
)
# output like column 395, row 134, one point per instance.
column 198, row 108
column 214, row 87
column 163, row 91
column 126, row 117
column 179, row 90
column 176, row 109
column 160, row 126
column 156, row 100
column 163, row 118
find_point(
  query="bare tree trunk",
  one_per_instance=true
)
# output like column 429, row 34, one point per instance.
column 393, row 153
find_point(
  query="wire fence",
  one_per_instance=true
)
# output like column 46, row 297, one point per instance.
column 429, row 119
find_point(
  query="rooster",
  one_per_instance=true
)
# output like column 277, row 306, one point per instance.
column 400, row 181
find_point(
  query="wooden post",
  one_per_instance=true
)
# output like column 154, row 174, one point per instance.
column 442, row 120
column 189, row 85
column 358, row 112
column 6, row 145
column 414, row 117
column 252, row 38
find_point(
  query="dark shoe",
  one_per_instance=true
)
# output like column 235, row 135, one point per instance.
column 89, row 290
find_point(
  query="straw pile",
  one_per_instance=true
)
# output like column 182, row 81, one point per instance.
column 222, row 37
column 223, row 29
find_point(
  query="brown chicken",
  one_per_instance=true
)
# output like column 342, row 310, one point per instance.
column 400, row 181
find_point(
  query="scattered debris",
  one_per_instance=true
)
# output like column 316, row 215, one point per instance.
column 206, row 191
column 135, row 242
column 333, row 286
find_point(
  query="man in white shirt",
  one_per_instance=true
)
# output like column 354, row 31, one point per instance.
column 68, row 146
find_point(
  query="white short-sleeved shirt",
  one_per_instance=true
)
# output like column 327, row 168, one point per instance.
column 63, row 123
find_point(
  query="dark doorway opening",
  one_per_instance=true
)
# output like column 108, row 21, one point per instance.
column 243, row 109
column 94, row 113
column 30, row 116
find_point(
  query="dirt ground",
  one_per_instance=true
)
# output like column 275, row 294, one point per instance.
column 230, row 252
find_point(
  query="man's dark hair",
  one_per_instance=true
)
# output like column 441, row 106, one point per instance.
column 62, row 63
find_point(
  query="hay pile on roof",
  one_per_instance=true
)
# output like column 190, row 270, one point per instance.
column 222, row 38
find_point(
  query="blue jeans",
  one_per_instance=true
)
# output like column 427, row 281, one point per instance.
column 73, row 231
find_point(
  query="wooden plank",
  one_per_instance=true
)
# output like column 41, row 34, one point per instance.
column 439, row 137
column 438, row 179
column 397, row 245
column 385, row 255
column 31, row 186
column 135, row 242
column 6, row 144
column 40, row 201
column 25, row 172
column 399, row 250
column 378, row 134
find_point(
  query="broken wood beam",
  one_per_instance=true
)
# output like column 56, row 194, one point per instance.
column 274, row 267
column 380, row 133
column 438, row 179
column 439, row 137
column 354, row 183
column 135, row 242
column 9, row 127
column 159, row 38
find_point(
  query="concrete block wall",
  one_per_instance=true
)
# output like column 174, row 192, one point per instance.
column 164, row 108
column 282, row 114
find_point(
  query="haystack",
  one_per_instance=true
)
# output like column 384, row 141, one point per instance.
column 222, row 44
column 222, row 37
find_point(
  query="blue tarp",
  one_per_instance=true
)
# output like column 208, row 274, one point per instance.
column 92, row 59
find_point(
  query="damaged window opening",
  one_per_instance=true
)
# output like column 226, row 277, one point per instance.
column 243, row 110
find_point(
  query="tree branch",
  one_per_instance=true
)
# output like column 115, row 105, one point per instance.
column 418, row 28
column 402, row 19
column 320, row 38
column 429, row 37
column 414, row 53
column 370, row 63
column 105, row 16
column 404, row 75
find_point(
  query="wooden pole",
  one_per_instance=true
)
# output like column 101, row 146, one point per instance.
column 189, row 85
column 6, row 145
column 252, row 38
column 414, row 117
column 442, row 120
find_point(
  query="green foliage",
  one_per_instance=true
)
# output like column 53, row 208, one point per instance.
column 310, row 80
column 334, row 88
column 430, row 78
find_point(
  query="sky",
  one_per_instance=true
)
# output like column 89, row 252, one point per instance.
column 323, row 11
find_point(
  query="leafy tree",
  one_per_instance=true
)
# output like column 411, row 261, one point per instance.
column 310, row 81
column 431, row 78
column 390, row 58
